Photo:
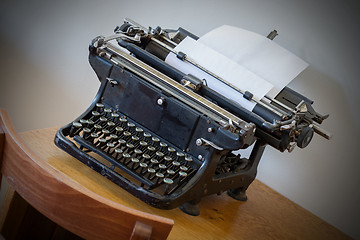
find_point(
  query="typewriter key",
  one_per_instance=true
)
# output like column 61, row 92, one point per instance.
column 75, row 128
column 151, row 150
column 134, row 162
column 101, row 142
column 162, row 166
column 170, row 172
column 171, row 151
column 159, row 175
column 163, row 146
column 143, row 145
column 95, row 115
column 84, row 122
column 90, row 123
column 105, row 133
column 159, row 154
column 139, row 131
column 123, row 121
column 110, row 124
column 121, row 142
column 188, row 159
column 147, row 136
column 155, row 141
column 168, row 181
column 134, row 139
column 183, row 168
column 137, row 152
column 126, row 158
column 114, row 136
column 180, row 156
column 107, row 111
column 117, row 152
column 127, row 135
column 86, row 133
column 151, row 173
column 131, row 126
column 93, row 136
column 154, row 161
column 119, row 130
column 146, row 156
column 176, row 164
column 183, row 174
column 115, row 116
column 99, row 107
column 168, row 159
column 97, row 127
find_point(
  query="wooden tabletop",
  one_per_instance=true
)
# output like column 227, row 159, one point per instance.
column 266, row 214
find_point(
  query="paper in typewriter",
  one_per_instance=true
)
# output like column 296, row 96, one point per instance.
column 229, row 59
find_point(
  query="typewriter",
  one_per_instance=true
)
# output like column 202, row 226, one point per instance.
column 165, row 136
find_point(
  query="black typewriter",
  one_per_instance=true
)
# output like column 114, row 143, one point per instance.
column 165, row 136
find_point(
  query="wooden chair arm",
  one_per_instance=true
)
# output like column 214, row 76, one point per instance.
column 66, row 202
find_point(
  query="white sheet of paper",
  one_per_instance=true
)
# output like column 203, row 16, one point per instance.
column 222, row 66
column 256, row 53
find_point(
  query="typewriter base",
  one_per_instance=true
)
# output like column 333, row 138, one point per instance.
column 238, row 194
column 190, row 208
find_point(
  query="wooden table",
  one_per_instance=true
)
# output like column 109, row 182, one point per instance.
column 266, row 214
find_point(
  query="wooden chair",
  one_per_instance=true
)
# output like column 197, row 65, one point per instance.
column 65, row 202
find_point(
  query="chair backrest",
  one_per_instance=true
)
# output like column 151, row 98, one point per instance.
column 66, row 202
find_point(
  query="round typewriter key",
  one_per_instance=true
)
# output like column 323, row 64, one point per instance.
column 134, row 162
column 94, row 135
column 126, row 158
column 110, row 124
column 135, row 138
column 129, row 145
column 105, row 132
column 188, row 159
column 100, row 106
column 83, row 121
column 86, row 133
column 97, row 127
column 119, row 130
column 114, row 136
column 115, row 115
column 170, row 172
column 75, row 128
column 151, row 149
column 159, row 175
column 167, row 158
column 160, row 154
column 154, row 161
column 168, row 181
column 163, row 146
column 130, row 125
column 183, row 168
column 146, row 156
column 110, row 144
column 137, row 152
column 143, row 165
column 103, row 119
column 143, row 144
column 139, row 130
column 171, row 150
column 101, row 142
column 123, row 121
column 147, row 136
column 90, row 123
column 155, row 140
column 122, row 142
column 118, row 151
column 182, row 174
column 162, row 166
column 175, row 163
column 95, row 114
column 108, row 110
column 127, row 135
column 151, row 170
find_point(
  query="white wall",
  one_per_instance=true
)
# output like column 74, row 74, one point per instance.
column 46, row 80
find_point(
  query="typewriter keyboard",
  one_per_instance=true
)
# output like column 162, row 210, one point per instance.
column 145, row 158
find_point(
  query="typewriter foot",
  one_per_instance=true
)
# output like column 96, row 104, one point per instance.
column 238, row 194
column 190, row 208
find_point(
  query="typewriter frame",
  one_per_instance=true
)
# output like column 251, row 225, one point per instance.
column 212, row 126
column 203, row 183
